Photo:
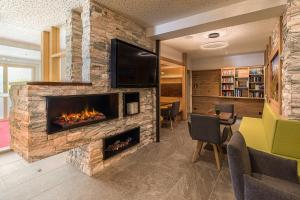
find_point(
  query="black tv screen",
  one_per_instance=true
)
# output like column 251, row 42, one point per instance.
column 132, row 66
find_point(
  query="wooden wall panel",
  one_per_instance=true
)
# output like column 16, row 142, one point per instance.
column 54, row 50
column 171, row 90
column 45, row 52
column 206, row 82
column 243, row 107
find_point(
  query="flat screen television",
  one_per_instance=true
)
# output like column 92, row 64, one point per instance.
column 132, row 66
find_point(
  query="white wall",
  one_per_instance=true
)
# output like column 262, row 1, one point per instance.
column 171, row 53
column 241, row 60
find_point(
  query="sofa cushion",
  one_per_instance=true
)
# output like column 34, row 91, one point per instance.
column 287, row 138
column 298, row 163
column 279, row 183
column 254, row 133
column 269, row 119
column 262, row 189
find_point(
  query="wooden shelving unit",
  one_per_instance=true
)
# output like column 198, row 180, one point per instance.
column 227, row 81
column 243, row 82
column 257, row 82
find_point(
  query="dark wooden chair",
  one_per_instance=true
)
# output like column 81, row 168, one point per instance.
column 228, row 108
column 206, row 129
column 171, row 112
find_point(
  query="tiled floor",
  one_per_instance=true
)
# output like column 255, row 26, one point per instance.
column 159, row 171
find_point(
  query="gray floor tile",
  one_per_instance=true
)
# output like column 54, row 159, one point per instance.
column 159, row 171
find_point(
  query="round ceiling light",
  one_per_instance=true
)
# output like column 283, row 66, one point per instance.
column 214, row 35
column 214, row 45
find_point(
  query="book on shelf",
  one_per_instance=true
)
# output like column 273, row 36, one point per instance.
column 227, row 80
column 256, row 94
column 228, row 93
column 257, row 71
column 228, row 72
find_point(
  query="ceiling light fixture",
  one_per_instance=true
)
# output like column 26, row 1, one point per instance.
column 214, row 45
column 214, row 35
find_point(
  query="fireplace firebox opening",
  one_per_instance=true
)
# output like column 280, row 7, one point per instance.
column 114, row 145
column 67, row 112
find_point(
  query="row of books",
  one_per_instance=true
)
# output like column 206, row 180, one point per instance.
column 227, row 80
column 227, row 87
column 257, row 71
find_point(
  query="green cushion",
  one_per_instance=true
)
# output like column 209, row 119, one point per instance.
column 287, row 138
column 253, row 131
column 269, row 122
column 299, row 170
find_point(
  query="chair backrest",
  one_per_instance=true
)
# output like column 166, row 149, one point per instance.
column 239, row 163
column 269, row 119
column 175, row 108
column 286, row 140
column 229, row 108
column 205, row 128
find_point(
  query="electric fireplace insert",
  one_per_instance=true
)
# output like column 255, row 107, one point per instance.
column 67, row 112
column 115, row 144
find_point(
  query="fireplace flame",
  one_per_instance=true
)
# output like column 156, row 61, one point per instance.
column 75, row 118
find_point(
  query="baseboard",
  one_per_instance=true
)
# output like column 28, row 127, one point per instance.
column 5, row 150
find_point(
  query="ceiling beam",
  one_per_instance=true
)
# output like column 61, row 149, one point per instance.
column 235, row 14
column 19, row 44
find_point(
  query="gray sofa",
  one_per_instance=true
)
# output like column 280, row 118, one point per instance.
column 257, row 175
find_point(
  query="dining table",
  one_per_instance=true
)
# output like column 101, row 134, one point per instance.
column 223, row 116
column 165, row 105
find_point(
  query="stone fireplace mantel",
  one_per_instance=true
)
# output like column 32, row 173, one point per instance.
column 54, row 83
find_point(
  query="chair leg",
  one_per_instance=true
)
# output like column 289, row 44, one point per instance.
column 171, row 124
column 197, row 151
column 217, row 157
column 220, row 151
column 231, row 133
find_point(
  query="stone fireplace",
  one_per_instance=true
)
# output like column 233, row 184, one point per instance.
column 84, row 115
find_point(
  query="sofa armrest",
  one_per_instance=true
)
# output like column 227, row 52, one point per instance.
column 274, row 166
column 255, row 189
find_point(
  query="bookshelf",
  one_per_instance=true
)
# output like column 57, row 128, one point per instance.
column 243, row 82
column 227, row 81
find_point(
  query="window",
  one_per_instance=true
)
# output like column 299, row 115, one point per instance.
column 8, row 75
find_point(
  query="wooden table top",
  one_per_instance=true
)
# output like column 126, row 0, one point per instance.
column 166, row 103
column 223, row 115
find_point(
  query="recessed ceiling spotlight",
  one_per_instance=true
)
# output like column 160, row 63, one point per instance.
column 213, row 35
column 214, row 45
column 188, row 37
